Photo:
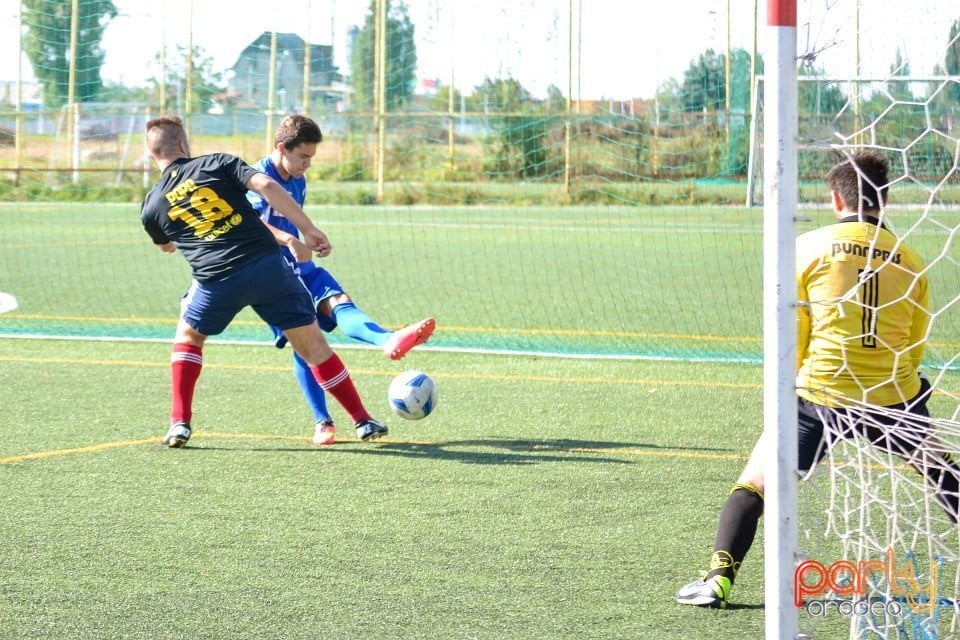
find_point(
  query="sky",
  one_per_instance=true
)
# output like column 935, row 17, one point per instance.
column 613, row 48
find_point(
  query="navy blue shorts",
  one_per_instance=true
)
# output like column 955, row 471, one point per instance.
column 898, row 435
column 322, row 285
column 269, row 285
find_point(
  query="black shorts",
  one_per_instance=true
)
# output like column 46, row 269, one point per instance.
column 897, row 434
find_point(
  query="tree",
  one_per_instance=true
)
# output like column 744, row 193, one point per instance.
column 47, row 44
column 704, row 83
column 556, row 102
column 900, row 67
column 520, row 148
column 502, row 95
column 204, row 81
column 441, row 101
column 821, row 98
column 953, row 60
column 401, row 58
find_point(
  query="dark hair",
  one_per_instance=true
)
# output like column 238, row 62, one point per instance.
column 296, row 130
column 861, row 181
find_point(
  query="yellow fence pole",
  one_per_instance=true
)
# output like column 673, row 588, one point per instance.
column 73, row 124
column 271, row 90
column 381, row 72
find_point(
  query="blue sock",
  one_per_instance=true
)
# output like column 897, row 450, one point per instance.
column 311, row 389
column 358, row 325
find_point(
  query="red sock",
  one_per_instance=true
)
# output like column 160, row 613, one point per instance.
column 185, row 364
column 334, row 379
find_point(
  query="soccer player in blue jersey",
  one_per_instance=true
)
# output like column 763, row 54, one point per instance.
column 199, row 206
column 858, row 359
column 295, row 144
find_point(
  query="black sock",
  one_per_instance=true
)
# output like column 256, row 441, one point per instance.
column 946, row 484
column 735, row 531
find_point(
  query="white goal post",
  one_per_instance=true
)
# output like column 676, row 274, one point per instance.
column 779, row 320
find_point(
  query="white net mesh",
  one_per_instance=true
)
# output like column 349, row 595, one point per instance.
column 881, row 500
column 879, row 551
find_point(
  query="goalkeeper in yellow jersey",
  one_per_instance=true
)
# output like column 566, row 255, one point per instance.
column 862, row 322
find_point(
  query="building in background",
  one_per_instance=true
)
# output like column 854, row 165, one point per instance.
column 248, row 80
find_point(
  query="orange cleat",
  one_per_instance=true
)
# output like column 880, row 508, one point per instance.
column 402, row 340
column 324, row 433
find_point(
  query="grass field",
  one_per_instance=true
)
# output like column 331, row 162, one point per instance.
column 545, row 498
column 640, row 281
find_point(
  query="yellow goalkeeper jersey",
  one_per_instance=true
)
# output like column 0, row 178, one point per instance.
column 863, row 317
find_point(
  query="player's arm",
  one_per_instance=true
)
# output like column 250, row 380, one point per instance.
column 278, row 198
column 921, row 322
column 160, row 239
column 300, row 251
column 803, row 327
column 803, row 304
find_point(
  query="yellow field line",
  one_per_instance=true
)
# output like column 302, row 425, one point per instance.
column 639, row 453
column 383, row 372
column 66, row 452
column 94, row 448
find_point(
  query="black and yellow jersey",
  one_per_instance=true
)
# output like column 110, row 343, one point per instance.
column 200, row 204
column 863, row 315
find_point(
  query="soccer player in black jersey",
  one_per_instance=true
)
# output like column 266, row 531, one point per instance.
column 862, row 325
column 199, row 206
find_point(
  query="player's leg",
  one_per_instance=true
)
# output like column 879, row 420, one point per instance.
column 186, row 363
column 743, row 508
column 324, row 430
column 205, row 310
column 915, row 441
column 941, row 471
column 736, row 530
column 333, row 377
column 358, row 325
column 336, row 309
column 340, row 311
column 935, row 462
column 284, row 302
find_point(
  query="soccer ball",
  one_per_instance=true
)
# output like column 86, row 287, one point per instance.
column 412, row 395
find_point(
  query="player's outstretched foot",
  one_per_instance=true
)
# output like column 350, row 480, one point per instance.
column 402, row 340
column 371, row 429
column 324, row 433
column 711, row 593
column 178, row 435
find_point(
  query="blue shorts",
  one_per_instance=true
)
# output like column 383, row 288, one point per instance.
column 322, row 285
column 269, row 285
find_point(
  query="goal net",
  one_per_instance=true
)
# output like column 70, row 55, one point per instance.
column 100, row 137
column 910, row 117
column 878, row 554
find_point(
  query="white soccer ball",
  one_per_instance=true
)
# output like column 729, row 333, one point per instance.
column 412, row 395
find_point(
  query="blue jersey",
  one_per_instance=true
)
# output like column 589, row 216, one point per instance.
column 297, row 188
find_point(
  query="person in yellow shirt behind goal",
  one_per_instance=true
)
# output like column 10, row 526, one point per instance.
column 862, row 324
